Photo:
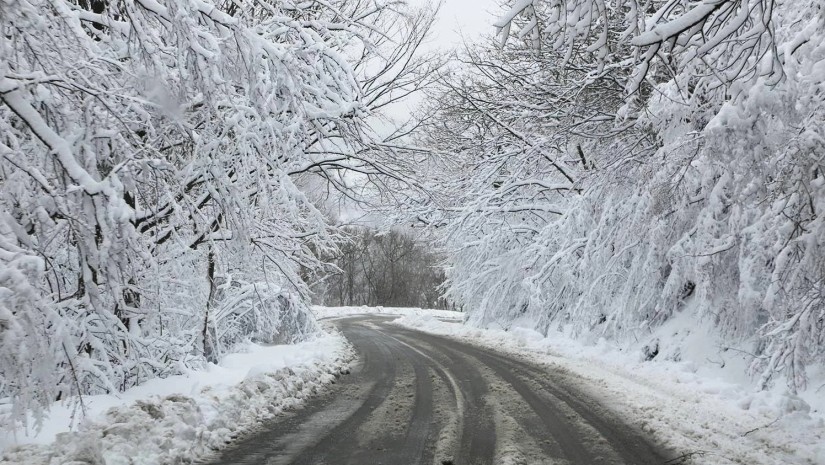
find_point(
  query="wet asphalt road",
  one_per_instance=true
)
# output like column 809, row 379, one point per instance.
column 415, row 398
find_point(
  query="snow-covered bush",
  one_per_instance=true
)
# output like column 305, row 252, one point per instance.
column 262, row 313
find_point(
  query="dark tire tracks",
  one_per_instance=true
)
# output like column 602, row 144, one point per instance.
column 417, row 398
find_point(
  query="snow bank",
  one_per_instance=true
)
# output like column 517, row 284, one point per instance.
column 337, row 312
column 182, row 418
column 713, row 417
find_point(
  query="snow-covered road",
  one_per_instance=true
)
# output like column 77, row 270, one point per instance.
column 418, row 398
column 426, row 389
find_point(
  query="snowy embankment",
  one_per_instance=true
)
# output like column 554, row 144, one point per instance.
column 337, row 312
column 712, row 418
column 182, row 418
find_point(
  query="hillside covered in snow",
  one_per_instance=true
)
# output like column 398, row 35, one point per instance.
column 601, row 168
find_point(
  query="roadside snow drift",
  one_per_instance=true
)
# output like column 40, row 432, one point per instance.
column 712, row 420
column 337, row 312
column 183, row 418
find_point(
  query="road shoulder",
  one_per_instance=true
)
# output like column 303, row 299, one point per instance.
column 681, row 413
column 187, row 417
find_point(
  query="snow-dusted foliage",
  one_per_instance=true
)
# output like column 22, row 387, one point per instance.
column 615, row 161
column 151, row 157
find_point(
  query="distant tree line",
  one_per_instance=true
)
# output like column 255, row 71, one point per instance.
column 388, row 269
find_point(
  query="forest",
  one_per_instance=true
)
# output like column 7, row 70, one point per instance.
column 592, row 166
column 390, row 269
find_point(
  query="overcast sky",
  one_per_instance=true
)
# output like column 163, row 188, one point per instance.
column 467, row 17
column 456, row 19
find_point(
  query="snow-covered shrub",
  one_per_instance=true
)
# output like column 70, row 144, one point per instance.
column 261, row 313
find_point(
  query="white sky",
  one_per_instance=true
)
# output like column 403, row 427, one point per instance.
column 458, row 20
column 462, row 17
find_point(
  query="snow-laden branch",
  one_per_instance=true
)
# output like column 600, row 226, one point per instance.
column 14, row 98
column 694, row 133
column 155, row 163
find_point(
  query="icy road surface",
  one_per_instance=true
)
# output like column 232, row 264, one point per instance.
column 417, row 398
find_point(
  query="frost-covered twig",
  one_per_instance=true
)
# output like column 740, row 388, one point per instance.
column 760, row 427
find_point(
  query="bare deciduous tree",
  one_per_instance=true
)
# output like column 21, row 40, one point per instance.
column 389, row 269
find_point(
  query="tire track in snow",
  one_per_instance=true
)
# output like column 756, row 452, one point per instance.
column 585, row 432
column 422, row 399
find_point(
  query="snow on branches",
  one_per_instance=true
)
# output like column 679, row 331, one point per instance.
column 729, row 39
column 625, row 162
column 151, row 214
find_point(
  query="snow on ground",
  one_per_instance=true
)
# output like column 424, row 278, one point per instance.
column 183, row 418
column 711, row 415
column 338, row 312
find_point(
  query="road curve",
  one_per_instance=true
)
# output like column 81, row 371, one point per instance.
column 416, row 398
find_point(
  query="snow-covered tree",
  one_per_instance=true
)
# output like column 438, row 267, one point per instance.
column 153, row 155
column 615, row 163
